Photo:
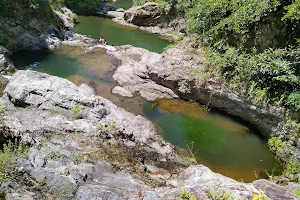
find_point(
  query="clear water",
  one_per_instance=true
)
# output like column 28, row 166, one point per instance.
column 116, row 34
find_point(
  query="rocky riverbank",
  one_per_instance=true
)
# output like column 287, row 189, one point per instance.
column 175, row 74
column 84, row 147
column 151, row 17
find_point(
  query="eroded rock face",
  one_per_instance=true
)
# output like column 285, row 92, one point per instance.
column 133, row 74
column 155, row 74
column 33, row 28
column 272, row 190
column 29, row 27
column 85, row 147
column 149, row 14
column 66, row 16
column 150, row 17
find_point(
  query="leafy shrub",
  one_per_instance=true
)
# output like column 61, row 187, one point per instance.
column 292, row 167
column 275, row 144
column 272, row 75
column 186, row 195
column 218, row 194
column 9, row 158
column 82, row 5
column 294, row 100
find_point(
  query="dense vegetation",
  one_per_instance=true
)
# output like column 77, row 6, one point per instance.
column 253, row 44
column 25, row 10
column 77, row 5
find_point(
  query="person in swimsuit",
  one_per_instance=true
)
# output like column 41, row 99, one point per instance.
column 102, row 41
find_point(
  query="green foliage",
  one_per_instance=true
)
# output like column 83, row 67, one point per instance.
column 214, row 17
column 271, row 76
column 169, row 46
column 81, row 159
column 82, row 5
column 184, row 160
column 2, row 107
column 187, row 195
column 294, row 100
column 275, row 143
column 9, row 158
column 77, row 111
column 56, row 3
column 259, row 196
column 111, row 127
column 217, row 194
column 292, row 167
column 297, row 193
column 293, row 11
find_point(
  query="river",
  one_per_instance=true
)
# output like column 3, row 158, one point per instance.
column 221, row 142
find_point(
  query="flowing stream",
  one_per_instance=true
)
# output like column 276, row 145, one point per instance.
column 226, row 145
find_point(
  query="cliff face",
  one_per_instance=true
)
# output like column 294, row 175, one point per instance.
column 27, row 25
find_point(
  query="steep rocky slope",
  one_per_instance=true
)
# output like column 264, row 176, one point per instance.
column 32, row 25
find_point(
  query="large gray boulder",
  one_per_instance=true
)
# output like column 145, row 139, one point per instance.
column 66, row 17
column 133, row 75
column 149, row 14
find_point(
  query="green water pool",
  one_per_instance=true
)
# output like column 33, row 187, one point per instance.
column 115, row 34
column 218, row 141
